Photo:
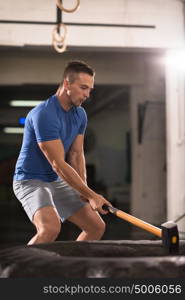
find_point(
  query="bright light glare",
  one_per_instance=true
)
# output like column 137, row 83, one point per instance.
column 23, row 103
column 13, row 130
column 176, row 59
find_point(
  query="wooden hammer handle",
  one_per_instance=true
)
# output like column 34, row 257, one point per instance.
column 135, row 221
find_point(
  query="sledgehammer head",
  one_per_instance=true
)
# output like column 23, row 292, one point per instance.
column 170, row 237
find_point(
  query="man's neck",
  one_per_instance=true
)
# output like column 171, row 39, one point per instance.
column 63, row 99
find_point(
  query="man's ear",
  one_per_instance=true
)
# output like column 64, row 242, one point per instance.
column 66, row 84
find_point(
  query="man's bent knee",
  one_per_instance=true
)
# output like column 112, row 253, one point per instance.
column 98, row 230
column 100, row 227
column 47, row 223
column 48, row 232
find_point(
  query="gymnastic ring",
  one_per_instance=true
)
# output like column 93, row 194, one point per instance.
column 59, row 46
column 56, row 36
column 59, row 4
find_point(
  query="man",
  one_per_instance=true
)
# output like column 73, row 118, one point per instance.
column 50, row 174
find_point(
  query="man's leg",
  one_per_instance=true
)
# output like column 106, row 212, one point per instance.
column 92, row 225
column 37, row 200
column 48, row 225
column 70, row 206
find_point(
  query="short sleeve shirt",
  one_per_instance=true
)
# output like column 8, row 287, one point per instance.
column 47, row 121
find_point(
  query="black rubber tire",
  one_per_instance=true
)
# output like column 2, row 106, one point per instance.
column 103, row 259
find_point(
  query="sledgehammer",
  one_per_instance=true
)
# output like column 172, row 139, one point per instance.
column 168, row 231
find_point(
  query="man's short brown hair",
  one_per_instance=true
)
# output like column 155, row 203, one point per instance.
column 75, row 67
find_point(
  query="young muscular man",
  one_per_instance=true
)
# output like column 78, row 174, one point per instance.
column 50, row 173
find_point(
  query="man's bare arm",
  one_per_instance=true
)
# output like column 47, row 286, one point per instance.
column 54, row 152
column 76, row 158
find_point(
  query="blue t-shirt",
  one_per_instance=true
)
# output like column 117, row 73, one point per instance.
column 45, row 122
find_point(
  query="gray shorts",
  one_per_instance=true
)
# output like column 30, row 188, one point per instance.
column 34, row 194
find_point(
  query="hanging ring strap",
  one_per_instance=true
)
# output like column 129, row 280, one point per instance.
column 59, row 4
column 57, row 35
column 58, row 40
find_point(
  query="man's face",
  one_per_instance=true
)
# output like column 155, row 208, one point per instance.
column 80, row 89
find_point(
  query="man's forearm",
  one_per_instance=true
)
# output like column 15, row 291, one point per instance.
column 77, row 162
column 73, row 179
